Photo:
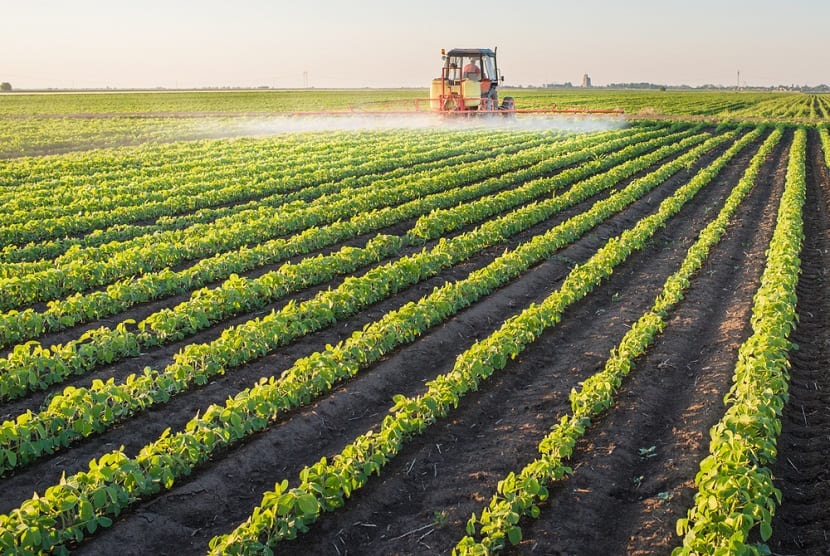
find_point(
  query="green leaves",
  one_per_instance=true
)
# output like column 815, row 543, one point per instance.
column 409, row 416
column 172, row 455
column 735, row 488
column 517, row 493
column 255, row 338
column 114, row 481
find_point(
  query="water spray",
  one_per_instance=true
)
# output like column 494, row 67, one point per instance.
column 275, row 125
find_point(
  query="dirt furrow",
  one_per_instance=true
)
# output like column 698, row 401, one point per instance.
column 802, row 522
column 634, row 472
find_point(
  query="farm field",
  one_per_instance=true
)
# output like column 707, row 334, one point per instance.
column 49, row 123
column 220, row 335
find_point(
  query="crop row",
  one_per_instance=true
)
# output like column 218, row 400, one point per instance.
column 183, row 193
column 285, row 512
column 52, row 249
column 209, row 191
column 442, row 222
column 788, row 107
column 35, row 134
column 95, row 182
column 90, row 499
column 518, row 494
column 250, row 227
column 79, row 412
column 148, row 172
column 21, row 325
column 736, row 494
column 31, row 366
column 644, row 104
column 29, row 137
column 20, row 260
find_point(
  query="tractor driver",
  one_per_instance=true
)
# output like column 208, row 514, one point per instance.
column 472, row 71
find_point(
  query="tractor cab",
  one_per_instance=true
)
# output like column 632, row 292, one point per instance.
column 469, row 82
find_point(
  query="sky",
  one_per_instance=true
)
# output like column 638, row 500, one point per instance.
column 387, row 43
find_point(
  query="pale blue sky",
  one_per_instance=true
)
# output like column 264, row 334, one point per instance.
column 373, row 43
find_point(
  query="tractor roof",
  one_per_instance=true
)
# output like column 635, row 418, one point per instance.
column 471, row 52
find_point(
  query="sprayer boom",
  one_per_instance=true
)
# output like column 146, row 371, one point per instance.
column 468, row 86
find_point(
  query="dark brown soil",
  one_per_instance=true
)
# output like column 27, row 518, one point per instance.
column 617, row 502
column 634, row 473
column 802, row 523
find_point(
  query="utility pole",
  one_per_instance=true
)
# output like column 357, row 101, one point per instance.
column 738, row 87
column 305, row 80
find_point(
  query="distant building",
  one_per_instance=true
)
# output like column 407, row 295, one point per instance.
column 586, row 81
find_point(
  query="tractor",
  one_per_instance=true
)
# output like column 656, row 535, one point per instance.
column 469, row 84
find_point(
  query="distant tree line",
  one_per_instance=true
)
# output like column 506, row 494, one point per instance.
column 5, row 86
column 656, row 86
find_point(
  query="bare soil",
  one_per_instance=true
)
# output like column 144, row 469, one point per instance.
column 802, row 523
